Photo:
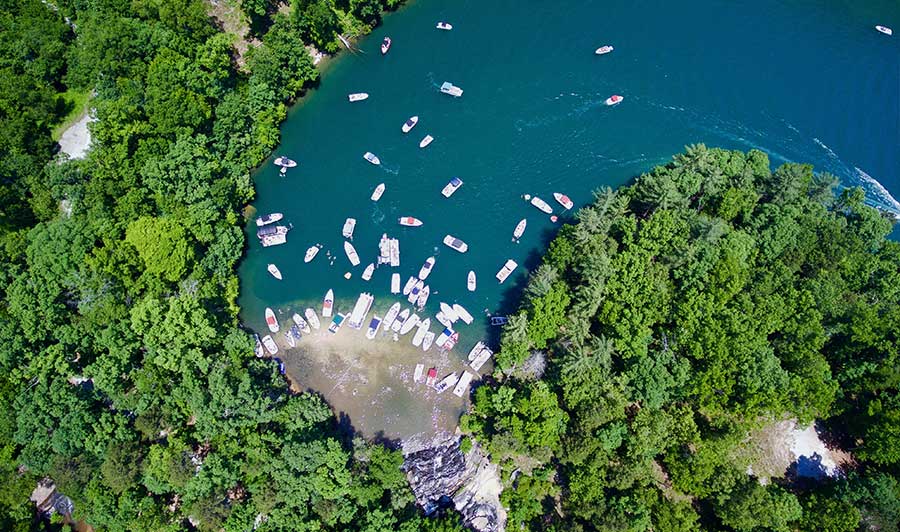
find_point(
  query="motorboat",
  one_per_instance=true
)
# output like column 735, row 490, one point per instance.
column 885, row 30
column 451, row 89
column 427, row 341
column 401, row 319
column 271, row 320
column 372, row 158
column 409, row 323
column 614, row 99
column 374, row 325
column 270, row 344
column 311, row 253
column 426, row 140
column 409, row 221
column 446, row 382
column 506, row 270
column 358, row 96
column 451, row 187
column 443, row 337
column 431, row 379
column 298, row 319
column 471, row 281
column 269, row 219
column 377, row 193
column 463, row 314
column 443, row 319
column 336, row 323
column 481, row 358
column 410, row 283
column 351, row 253
column 360, row 310
column 384, row 249
column 276, row 273
column 451, row 342
column 349, row 227
column 604, row 50
column 455, row 243
column 395, row 283
column 463, row 384
column 395, row 252
column 328, row 303
column 273, row 240
column 444, row 26
column 409, row 124
column 419, row 373
column 258, row 348
column 284, row 162
column 272, row 230
column 499, row 320
column 519, row 230
column 312, row 318
column 425, row 270
column 563, row 200
column 420, row 334
column 541, row 205
column 414, row 293
column 292, row 335
column 385, row 45
column 367, row 273
column 391, row 316
column 476, row 350
column 449, row 312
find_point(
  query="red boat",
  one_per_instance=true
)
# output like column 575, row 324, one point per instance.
column 432, row 377
column 448, row 345
column 563, row 200
column 409, row 221
column 614, row 99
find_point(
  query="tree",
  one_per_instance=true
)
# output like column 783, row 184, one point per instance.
column 163, row 246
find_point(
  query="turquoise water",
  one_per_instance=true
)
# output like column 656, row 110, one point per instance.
column 804, row 81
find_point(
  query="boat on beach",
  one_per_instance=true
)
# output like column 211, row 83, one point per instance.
column 455, row 243
column 451, row 342
column 311, row 253
column 443, row 337
column 349, row 227
column 463, row 314
column 519, row 230
column 414, row 293
column 418, row 373
column 506, row 270
column 420, row 333
column 446, row 382
column 292, row 335
column 395, row 283
column 409, row 221
column 444, row 26
column 541, row 205
column 449, row 313
column 410, row 283
column 373, row 327
column 480, row 358
column 463, row 384
column 270, row 344
column 271, row 320
column 328, row 303
column 372, row 158
column 451, row 187
column 358, row 96
column 385, row 45
column 425, row 270
column 377, row 193
column 367, row 273
column 563, row 200
column 409, row 323
column 426, row 140
column 312, row 318
column 471, row 281
column 476, row 350
column 432, row 377
column 614, row 100
column 451, row 89
column 885, row 30
column 258, row 348
column 284, row 162
column 604, row 50
column 391, row 316
column 423, row 297
column 427, row 341
column 360, row 310
column 276, row 273
column 351, row 253
column 409, row 124
column 401, row 319
column 298, row 319
column 269, row 219
column 336, row 323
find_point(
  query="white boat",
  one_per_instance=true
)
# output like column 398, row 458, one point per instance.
column 298, row 319
column 451, row 187
column 563, row 200
column 451, row 89
column 614, row 99
column 481, row 358
column 384, row 249
column 409, row 323
column 401, row 319
column 444, row 26
column 419, row 373
column 519, row 230
column 336, row 323
column 427, row 341
column 463, row 384
column 270, row 344
column 471, row 281
column 409, row 124
column 506, row 270
column 395, row 252
column 451, row 342
column 312, row 318
column 414, row 293
column 463, row 314
column 372, row 158
column 885, row 30
column 425, row 270
column 449, row 312
column 269, row 219
column 360, row 310
column 455, row 243
column 443, row 319
column 385, row 45
column 293, row 335
column 409, row 221
column 328, row 304
column 311, row 253
column 446, row 382
column 391, row 316
column 376, row 194
column 284, row 162
column 258, row 348
column 426, row 140
column 410, row 283
column 276, row 273
column 420, row 334
column 443, row 337
column 349, row 226
column 367, row 273
column 273, row 240
column 351, row 253
column 541, row 205
column 395, row 283
column 604, row 50
column 374, row 325
column 271, row 320
column 358, row 96
column 476, row 350
column 423, row 297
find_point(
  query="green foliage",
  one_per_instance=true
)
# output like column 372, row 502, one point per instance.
column 163, row 246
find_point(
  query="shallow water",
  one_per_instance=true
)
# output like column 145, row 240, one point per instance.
column 803, row 81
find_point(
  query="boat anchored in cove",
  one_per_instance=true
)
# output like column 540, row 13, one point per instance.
column 358, row 96
column 409, row 124
column 409, row 221
column 276, row 273
column 428, row 139
column 615, row 99
column 372, row 158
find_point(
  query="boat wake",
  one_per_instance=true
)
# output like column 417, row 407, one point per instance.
column 880, row 192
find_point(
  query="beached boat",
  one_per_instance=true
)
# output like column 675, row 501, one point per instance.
column 614, row 99
column 451, row 89
column 284, row 162
column 481, row 358
column 519, row 230
column 360, row 310
column 426, row 140
column 563, row 200
column 271, row 320
column 451, row 342
column 423, row 297
column 312, row 318
column 414, row 293
column 443, row 337
column 372, row 158
column 463, row 314
column 395, row 252
column 292, row 335
column 298, row 319
column 336, row 323
column 446, row 382
column 471, row 281
column 432, row 377
column 409, row 221
column 427, row 341
column 449, row 312
column 385, row 45
column 395, row 283
column 604, row 50
column 506, row 270
column 410, row 283
column 384, row 249
column 420, row 334
column 419, row 373
column 451, row 187
column 328, row 303
column 351, row 253
column 378, row 192
column 401, row 319
column 358, row 96
column 409, row 124
column 474, row 352
column 444, row 26
column 541, row 205
column 311, row 253
column 455, row 243
column 499, row 320
column 443, row 320
column 258, row 348
column 269, row 219
column 349, row 227
column 425, row 270
column 373, row 327
column 409, row 323
column 270, row 344
column 885, row 30
column 463, row 384
column 276, row 273
column 367, row 273
column 391, row 316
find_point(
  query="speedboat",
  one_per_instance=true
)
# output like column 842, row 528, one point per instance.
column 499, row 320
column 614, row 99
column 446, row 382
column 385, row 45
column 476, row 350
column 384, row 249
column 420, row 334
column 336, row 323
column 463, row 314
column 426, row 141
column 395, row 283
column 456, row 243
column 328, row 304
column 367, row 273
column 298, row 319
column 604, row 50
column 563, row 200
column 391, row 316
column 410, row 283
column 541, row 205
column 312, row 318
column 425, row 270
column 395, row 252
column 506, row 270
column 427, row 341
column 292, row 335
column 349, row 226
column 444, row 26
column 443, row 319
column 401, row 319
column 448, row 311
column 471, row 281
column 264, row 232
column 414, row 293
column 284, row 162
column 276, row 273
column 463, row 384
column 271, row 320
column 423, row 297
column 270, row 344
column 409, row 323
column 409, row 124
column 451, row 187
column 451, row 342
column 258, row 348
column 373, row 327
column 351, row 253
column 419, row 373
column 432, row 377
column 443, row 337
column 376, row 194
column 481, row 358
column 885, row 30
column 409, row 221
column 311, row 253
column 451, row 89
column 520, row 230
column 358, row 96
column 372, row 158
column 269, row 219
